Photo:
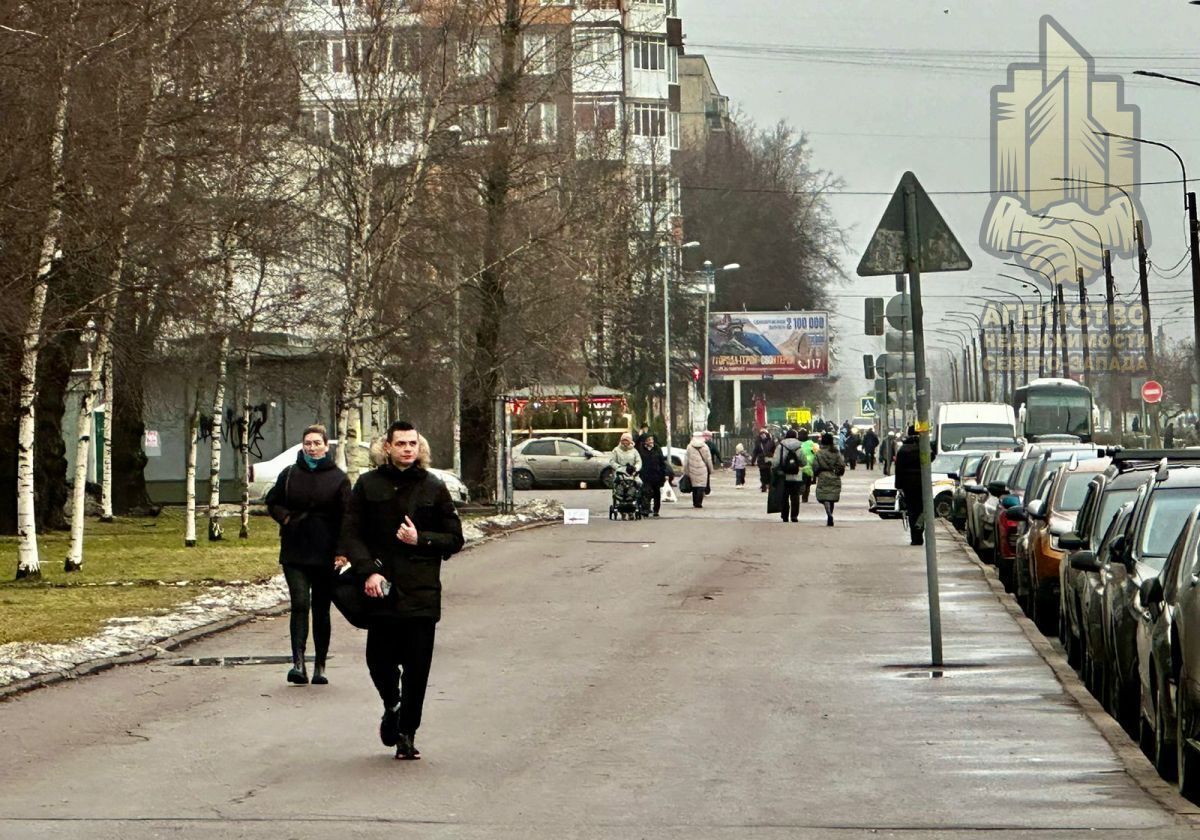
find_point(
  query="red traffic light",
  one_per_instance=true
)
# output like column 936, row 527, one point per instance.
column 695, row 374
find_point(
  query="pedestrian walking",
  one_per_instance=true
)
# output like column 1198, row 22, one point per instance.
column 829, row 466
column 626, row 455
column 908, row 482
column 739, row 466
column 309, row 500
column 887, row 448
column 1169, row 436
column 400, row 526
column 841, row 439
column 656, row 471
column 764, row 448
column 789, row 466
column 713, row 451
column 853, row 441
column 697, row 468
column 870, row 443
column 809, row 447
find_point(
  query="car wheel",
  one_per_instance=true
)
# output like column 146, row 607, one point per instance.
column 606, row 477
column 1074, row 644
column 1186, row 769
column 943, row 506
column 1163, row 756
column 1045, row 615
column 522, row 480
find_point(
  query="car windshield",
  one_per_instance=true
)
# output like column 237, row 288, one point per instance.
column 950, row 435
column 1165, row 518
column 1110, row 504
column 1073, row 491
column 1049, row 413
column 946, row 463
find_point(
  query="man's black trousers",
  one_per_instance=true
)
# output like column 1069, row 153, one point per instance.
column 395, row 644
column 791, row 500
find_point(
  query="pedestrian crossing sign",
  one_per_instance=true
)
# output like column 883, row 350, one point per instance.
column 867, row 407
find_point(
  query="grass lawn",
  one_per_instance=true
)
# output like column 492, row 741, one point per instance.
column 146, row 552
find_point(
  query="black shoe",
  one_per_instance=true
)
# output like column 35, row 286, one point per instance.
column 829, row 521
column 794, row 519
column 389, row 734
column 406, row 750
column 655, row 514
column 318, row 677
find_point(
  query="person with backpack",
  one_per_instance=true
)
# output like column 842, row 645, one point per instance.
column 809, row 447
column 789, row 463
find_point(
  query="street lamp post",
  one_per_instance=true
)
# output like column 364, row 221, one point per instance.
column 1012, row 334
column 980, row 361
column 1058, row 326
column 676, row 268
column 1082, row 304
column 710, row 285
column 1189, row 205
column 1041, row 323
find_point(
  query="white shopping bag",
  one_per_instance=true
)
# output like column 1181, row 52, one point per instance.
column 669, row 494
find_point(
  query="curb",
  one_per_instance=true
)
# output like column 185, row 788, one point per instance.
column 172, row 643
column 1137, row 766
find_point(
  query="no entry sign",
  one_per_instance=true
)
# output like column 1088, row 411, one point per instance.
column 1152, row 391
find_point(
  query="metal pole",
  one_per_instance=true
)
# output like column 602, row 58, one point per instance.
column 1194, row 232
column 975, row 368
column 667, row 354
column 914, row 288
column 1062, row 332
column 1114, row 390
column 983, row 366
column 710, row 272
column 1083, row 327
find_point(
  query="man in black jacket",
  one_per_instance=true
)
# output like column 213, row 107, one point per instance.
column 908, row 482
column 400, row 526
column 656, row 471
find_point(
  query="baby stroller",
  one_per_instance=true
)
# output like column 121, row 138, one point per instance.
column 627, row 501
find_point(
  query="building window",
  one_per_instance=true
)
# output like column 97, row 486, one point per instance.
column 314, row 123
column 475, row 59
column 406, row 51
column 595, row 47
column 673, row 129
column 649, row 120
column 539, row 53
column 673, row 65
column 314, row 56
column 477, row 121
column 595, row 116
column 542, row 122
column 649, row 53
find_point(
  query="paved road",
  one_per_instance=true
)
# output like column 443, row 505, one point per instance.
column 712, row 674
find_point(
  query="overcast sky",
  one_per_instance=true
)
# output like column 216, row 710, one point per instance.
column 884, row 87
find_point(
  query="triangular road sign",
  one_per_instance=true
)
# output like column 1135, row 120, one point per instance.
column 937, row 248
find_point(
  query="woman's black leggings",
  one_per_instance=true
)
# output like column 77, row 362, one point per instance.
column 310, row 589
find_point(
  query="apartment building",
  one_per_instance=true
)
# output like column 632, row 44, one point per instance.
column 703, row 110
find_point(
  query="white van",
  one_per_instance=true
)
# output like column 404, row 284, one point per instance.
column 957, row 420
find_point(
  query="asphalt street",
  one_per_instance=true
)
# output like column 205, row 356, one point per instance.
column 714, row 673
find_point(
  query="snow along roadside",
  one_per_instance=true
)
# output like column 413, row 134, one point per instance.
column 26, row 665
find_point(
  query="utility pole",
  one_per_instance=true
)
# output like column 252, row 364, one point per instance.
column 1144, row 289
column 1194, row 231
column 983, row 366
column 1114, row 390
column 1086, row 373
column 1061, row 318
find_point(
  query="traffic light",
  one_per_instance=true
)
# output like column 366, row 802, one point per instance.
column 868, row 366
column 695, row 373
column 873, row 320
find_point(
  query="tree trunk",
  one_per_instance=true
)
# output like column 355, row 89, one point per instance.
column 106, row 505
column 189, row 539
column 244, row 446
column 83, row 429
column 214, row 474
column 130, row 496
column 348, row 408
column 55, row 362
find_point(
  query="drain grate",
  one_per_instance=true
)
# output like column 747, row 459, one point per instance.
column 231, row 661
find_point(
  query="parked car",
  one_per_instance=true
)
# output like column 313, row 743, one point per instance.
column 1169, row 647
column 1050, row 516
column 264, row 474
column 1008, row 444
column 1161, row 509
column 881, row 499
column 1160, row 652
column 983, row 498
column 1106, row 493
column 1093, row 644
column 558, row 460
column 958, row 496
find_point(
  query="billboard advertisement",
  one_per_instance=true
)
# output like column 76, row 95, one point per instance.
column 768, row 345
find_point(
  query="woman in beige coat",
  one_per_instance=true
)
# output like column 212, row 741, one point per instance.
column 698, row 466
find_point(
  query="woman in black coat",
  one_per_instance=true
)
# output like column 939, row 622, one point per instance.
column 656, row 471
column 308, row 501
